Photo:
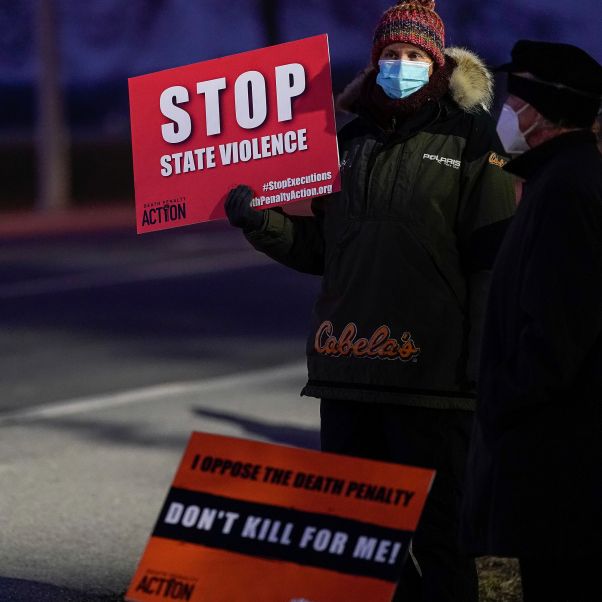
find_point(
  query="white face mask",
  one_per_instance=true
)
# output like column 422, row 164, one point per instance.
column 513, row 139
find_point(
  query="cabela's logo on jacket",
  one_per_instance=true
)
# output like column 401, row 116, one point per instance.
column 495, row 159
column 380, row 344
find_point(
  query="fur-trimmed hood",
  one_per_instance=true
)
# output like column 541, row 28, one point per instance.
column 470, row 84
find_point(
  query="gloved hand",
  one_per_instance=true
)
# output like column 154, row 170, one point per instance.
column 239, row 211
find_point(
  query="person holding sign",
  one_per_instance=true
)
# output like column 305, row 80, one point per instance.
column 404, row 251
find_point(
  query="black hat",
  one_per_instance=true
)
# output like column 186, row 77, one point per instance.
column 561, row 81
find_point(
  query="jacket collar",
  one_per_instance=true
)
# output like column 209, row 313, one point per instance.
column 526, row 165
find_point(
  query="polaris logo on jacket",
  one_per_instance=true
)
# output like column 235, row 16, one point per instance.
column 380, row 345
column 455, row 163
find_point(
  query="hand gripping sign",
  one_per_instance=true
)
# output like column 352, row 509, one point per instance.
column 252, row 522
column 263, row 118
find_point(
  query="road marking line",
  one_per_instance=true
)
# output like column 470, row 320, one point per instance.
column 156, row 271
column 153, row 393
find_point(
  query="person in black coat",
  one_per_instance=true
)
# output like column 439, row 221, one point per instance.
column 534, row 474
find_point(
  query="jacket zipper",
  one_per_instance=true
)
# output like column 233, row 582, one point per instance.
column 372, row 161
column 395, row 176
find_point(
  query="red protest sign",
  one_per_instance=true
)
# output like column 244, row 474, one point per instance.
column 263, row 118
column 251, row 521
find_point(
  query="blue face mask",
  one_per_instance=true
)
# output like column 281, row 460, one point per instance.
column 401, row 78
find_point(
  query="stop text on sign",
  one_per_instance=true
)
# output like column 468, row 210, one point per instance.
column 250, row 101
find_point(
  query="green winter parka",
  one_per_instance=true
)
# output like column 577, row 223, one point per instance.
column 404, row 250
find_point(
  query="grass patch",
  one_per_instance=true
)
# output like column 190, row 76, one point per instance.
column 499, row 580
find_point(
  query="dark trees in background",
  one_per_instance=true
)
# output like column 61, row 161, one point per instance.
column 269, row 12
column 52, row 143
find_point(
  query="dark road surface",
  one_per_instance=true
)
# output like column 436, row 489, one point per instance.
column 113, row 348
column 89, row 314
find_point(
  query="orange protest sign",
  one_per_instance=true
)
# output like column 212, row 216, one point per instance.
column 250, row 521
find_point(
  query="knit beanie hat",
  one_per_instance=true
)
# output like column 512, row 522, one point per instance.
column 414, row 22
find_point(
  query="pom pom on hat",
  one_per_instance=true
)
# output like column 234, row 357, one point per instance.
column 413, row 22
column 428, row 4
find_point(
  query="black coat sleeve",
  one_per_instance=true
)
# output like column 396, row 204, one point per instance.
column 560, row 302
column 294, row 241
